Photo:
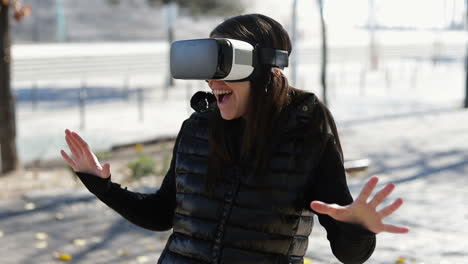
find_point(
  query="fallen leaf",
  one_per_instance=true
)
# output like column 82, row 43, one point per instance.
column 59, row 216
column 29, row 206
column 400, row 260
column 1, row 233
column 41, row 244
column 139, row 148
column 142, row 259
column 95, row 239
column 151, row 246
column 79, row 242
column 122, row 252
column 41, row 236
column 307, row 260
column 63, row 256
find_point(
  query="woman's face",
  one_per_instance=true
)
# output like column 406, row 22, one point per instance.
column 232, row 97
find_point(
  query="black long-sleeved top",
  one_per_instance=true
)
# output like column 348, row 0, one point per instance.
column 350, row 243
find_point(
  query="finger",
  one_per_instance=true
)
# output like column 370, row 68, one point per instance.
column 68, row 160
column 395, row 229
column 73, row 146
column 381, row 195
column 367, row 190
column 84, row 147
column 323, row 208
column 74, row 141
column 391, row 208
column 106, row 171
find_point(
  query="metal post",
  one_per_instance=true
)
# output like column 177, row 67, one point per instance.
column 81, row 102
column 61, row 34
column 170, row 10
column 36, row 23
column 294, row 42
column 125, row 91
column 34, row 96
column 170, row 38
column 374, row 60
column 140, row 103
column 188, row 94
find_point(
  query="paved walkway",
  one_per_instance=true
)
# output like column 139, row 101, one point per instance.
column 425, row 154
column 413, row 137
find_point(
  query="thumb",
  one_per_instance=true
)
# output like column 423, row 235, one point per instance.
column 105, row 171
column 321, row 207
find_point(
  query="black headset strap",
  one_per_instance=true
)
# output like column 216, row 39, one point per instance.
column 266, row 56
column 273, row 57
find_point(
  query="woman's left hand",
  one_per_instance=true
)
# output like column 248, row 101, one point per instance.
column 363, row 212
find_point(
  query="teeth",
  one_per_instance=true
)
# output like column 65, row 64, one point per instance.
column 221, row 92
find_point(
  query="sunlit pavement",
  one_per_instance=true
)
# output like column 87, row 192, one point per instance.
column 415, row 136
column 424, row 154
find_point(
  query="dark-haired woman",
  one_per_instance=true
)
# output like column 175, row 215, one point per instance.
column 249, row 172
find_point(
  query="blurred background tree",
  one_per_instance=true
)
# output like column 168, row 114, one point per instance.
column 324, row 53
column 8, row 152
column 466, row 59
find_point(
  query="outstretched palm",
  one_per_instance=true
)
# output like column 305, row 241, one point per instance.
column 83, row 159
column 363, row 212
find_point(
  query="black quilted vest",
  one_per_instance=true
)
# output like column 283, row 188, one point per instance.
column 250, row 220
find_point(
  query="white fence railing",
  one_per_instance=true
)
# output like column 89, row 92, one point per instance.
column 81, row 61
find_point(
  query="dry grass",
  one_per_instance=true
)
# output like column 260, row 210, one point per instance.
column 55, row 174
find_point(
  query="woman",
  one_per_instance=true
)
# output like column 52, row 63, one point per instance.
column 249, row 172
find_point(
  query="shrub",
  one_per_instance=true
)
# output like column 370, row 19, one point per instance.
column 144, row 165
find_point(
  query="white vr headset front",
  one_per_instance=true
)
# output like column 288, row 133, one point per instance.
column 221, row 59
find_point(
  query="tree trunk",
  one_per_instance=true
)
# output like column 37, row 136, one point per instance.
column 323, row 77
column 466, row 57
column 9, row 158
column 466, row 78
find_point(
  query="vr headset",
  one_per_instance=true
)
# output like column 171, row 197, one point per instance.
column 221, row 59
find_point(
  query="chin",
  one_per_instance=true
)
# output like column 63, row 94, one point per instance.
column 227, row 116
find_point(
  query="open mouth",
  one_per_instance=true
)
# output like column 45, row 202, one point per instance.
column 222, row 96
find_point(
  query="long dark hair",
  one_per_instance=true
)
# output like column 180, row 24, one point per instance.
column 270, row 94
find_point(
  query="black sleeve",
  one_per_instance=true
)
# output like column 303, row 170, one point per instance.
column 350, row 243
column 154, row 211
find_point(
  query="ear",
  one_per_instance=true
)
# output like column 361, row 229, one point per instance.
column 277, row 71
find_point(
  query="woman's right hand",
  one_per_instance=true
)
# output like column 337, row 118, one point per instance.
column 83, row 159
